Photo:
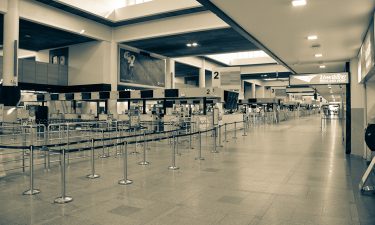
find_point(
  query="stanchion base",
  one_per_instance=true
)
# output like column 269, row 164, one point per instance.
column 173, row 167
column 93, row 176
column 144, row 163
column 125, row 182
column 215, row 151
column 31, row 192
column 104, row 156
column 63, row 200
column 220, row 146
column 134, row 153
column 244, row 135
column 199, row 158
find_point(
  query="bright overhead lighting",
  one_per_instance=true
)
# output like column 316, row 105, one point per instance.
column 82, row 31
column 195, row 44
column 297, row 3
column 312, row 37
column 189, row 44
column 318, row 55
column 322, row 66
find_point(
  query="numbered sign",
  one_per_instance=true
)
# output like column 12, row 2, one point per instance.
column 216, row 78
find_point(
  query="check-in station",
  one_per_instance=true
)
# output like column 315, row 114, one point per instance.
column 204, row 112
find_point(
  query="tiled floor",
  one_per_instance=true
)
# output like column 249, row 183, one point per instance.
column 286, row 174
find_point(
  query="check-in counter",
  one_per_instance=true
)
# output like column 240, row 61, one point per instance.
column 88, row 117
column 56, row 116
column 70, row 116
column 123, row 117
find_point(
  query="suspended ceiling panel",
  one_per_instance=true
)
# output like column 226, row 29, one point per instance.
column 209, row 42
column 339, row 24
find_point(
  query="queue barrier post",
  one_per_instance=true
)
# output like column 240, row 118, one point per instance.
column 63, row 198
column 125, row 180
column 200, row 147
column 31, row 191
column 144, row 162
column 173, row 166
column 93, row 175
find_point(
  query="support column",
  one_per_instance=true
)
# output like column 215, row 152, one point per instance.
column 253, row 90
column 10, row 93
column 170, row 74
column 358, row 123
column 202, row 75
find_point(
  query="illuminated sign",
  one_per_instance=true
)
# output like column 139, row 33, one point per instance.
column 366, row 56
column 322, row 78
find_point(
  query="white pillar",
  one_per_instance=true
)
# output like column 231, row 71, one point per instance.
column 358, row 113
column 253, row 90
column 113, row 66
column 202, row 75
column 170, row 74
column 10, row 44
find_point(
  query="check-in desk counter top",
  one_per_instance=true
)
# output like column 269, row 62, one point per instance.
column 56, row 116
column 123, row 117
column 70, row 116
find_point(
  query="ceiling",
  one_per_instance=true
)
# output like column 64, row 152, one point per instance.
column 210, row 42
column 35, row 37
column 339, row 24
column 96, row 11
column 331, row 93
column 265, row 75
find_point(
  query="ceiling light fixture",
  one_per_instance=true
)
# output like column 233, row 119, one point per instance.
column 188, row 44
column 322, row 66
column 82, row 31
column 195, row 44
column 312, row 37
column 297, row 3
column 318, row 55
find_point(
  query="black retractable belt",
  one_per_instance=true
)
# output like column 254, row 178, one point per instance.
column 370, row 137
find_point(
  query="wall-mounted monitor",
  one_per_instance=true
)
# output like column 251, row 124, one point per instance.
column 69, row 96
column 86, row 96
column 40, row 97
column 171, row 93
column 104, row 95
column 54, row 97
column 124, row 94
column 147, row 94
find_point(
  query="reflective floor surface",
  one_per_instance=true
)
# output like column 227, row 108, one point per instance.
column 286, row 174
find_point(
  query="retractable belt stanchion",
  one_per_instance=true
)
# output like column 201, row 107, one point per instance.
column 103, row 155
column 63, row 199
column 235, row 130
column 173, row 166
column 225, row 133
column 200, row 147
column 31, row 191
column 190, row 146
column 215, row 140
column 93, row 175
column 220, row 144
column 144, row 162
column 244, row 128
column 135, row 152
column 176, row 145
column 125, row 181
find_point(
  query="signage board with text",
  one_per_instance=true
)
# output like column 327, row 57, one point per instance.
column 317, row 79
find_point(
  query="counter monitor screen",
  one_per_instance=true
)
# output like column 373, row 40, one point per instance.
column 171, row 93
column 104, row 95
column 124, row 94
column 54, row 97
column 147, row 94
column 86, row 96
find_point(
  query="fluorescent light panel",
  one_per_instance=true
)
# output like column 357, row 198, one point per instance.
column 297, row 3
column 312, row 37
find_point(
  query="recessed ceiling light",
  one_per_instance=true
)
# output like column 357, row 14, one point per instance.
column 27, row 36
column 82, row 31
column 297, row 3
column 312, row 37
column 318, row 55
column 322, row 66
column 195, row 44
column 189, row 44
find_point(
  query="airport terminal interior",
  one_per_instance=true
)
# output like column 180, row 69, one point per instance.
column 188, row 112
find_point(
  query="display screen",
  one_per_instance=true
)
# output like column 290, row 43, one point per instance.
column 104, row 95
column 40, row 97
column 230, row 99
column 147, row 94
column 171, row 93
column 124, row 94
column 69, row 96
column 54, row 97
column 86, row 96
column 141, row 68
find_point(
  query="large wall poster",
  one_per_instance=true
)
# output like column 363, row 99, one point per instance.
column 142, row 69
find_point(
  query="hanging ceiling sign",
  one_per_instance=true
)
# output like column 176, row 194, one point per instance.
column 321, row 78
